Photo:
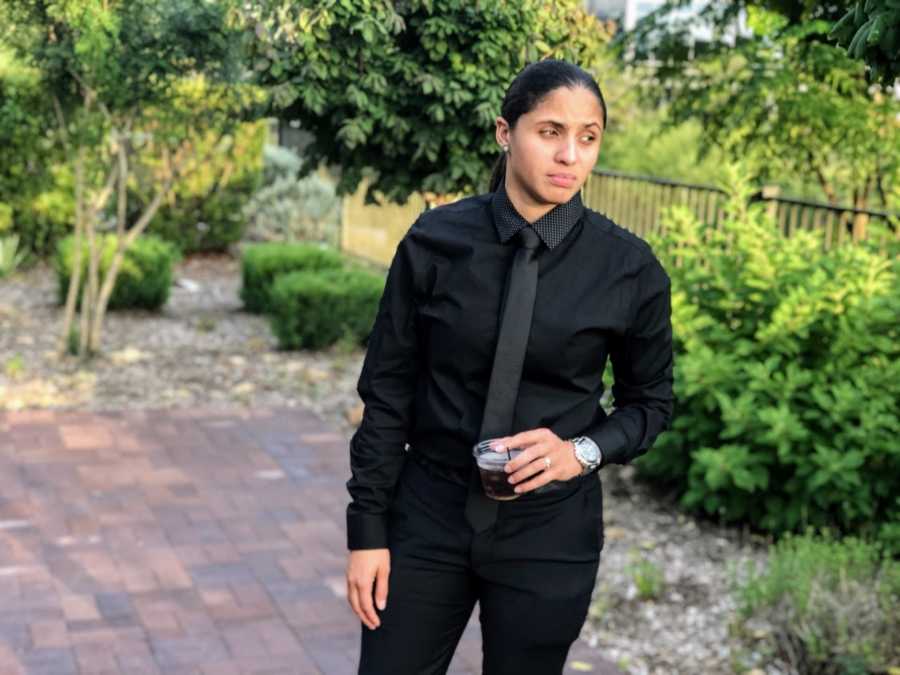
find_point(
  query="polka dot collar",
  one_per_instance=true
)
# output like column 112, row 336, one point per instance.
column 552, row 227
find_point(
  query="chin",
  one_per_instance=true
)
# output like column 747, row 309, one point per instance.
column 560, row 195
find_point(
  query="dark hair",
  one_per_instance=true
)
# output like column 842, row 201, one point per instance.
column 530, row 87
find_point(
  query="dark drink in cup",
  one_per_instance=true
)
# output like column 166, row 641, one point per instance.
column 494, row 479
column 496, row 484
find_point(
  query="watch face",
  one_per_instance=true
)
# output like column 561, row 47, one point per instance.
column 588, row 453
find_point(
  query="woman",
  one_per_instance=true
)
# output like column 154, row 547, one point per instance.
column 418, row 559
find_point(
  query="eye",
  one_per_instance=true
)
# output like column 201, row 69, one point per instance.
column 590, row 139
column 552, row 131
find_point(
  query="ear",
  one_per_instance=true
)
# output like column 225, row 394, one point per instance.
column 502, row 132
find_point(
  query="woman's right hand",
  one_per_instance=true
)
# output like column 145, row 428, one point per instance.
column 365, row 567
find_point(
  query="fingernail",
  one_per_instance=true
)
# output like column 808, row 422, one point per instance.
column 518, row 489
column 381, row 605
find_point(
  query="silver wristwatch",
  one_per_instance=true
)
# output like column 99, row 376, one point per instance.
column 587, row 453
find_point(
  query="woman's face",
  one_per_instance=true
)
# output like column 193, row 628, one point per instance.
column 553, row 148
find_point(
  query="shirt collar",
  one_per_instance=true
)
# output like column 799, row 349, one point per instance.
column 552, row 227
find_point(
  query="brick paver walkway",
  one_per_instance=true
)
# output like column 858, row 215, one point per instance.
column 180, row 541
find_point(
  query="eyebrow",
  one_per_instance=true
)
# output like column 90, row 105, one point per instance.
column 563, row 126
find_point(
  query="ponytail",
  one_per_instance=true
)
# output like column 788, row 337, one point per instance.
column 498, row 175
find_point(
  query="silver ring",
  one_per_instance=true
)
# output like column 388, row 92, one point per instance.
column 547, row 461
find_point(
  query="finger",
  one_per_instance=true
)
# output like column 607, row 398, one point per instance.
column 535, row 466
column 365, row 603
column 539, row 480
column 381, row 587
column 353, row 597
column 357, row 593
column 524, row 439
column 521, row 459
column 526, row 457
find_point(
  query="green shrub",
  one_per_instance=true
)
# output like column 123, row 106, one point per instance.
column 206, row 223
column 31, row 167
column 205, row 211
column 649, row 578
column 315, row 309
column 279, row 162
column 261, row 263
column 143, row 281
column 44, row 216
column 11, row 256
column 294, row 210
column 6, row 218
column 787, row 377
column 833, row 606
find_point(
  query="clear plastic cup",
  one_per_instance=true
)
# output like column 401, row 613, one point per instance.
column 494, row 479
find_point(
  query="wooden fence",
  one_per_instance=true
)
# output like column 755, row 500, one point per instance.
column 371, row 232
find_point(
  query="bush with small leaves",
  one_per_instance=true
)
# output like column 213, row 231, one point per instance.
column 787, row 376
column 144, row 279
column 262, row 263
column 315, row 309
column 833, row 606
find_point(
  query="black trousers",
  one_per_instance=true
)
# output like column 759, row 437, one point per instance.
column 532, row 574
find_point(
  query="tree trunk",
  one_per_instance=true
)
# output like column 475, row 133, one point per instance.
column 879, row 184
column 85, row 215
column 122, row 245
column 125, row 239
column 62, row 346
column 827, row 187
column 121, row 204
column 860, row 201
column 89, row 294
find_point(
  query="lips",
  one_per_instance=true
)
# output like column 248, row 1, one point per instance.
column 563, row 179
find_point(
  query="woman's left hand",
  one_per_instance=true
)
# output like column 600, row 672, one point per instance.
column 538, row 446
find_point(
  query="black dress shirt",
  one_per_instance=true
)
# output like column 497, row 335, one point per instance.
column 601, row 292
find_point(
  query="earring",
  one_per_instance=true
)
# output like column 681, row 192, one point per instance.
column 505, row 148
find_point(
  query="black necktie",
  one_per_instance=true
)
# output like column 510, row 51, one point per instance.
column 506, row 372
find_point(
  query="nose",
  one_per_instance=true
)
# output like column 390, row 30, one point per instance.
column 568, row 153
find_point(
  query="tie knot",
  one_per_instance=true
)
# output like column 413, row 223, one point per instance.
column 528, row 238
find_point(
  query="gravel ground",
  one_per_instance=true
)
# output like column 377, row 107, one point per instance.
column 203, row 349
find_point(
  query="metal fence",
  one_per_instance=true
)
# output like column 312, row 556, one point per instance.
column 840, row 223
column 637, row 202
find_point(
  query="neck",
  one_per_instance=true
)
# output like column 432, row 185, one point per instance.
column 524, row 202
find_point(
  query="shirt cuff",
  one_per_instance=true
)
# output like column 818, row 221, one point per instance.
column 365, row 530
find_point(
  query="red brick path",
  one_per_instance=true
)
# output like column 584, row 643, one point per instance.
column 180, row 541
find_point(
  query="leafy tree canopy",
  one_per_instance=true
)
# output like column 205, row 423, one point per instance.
column 128, row 53
column 407, row 91
column 781, row 95
column 869, row 30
